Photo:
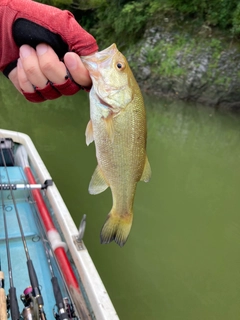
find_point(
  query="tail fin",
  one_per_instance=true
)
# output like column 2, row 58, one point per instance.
column 116, row 228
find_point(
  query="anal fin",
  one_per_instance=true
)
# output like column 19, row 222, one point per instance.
column 147, row 172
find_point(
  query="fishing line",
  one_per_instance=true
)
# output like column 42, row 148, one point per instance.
column 31, row 270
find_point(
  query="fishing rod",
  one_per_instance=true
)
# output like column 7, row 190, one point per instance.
column 27, row 297
column 64, row 305
column 31, row 270
column 65, row 308
column 54, row 238
column 61, row 305
column 62, row 314
column 3, row 300
column 12, row 298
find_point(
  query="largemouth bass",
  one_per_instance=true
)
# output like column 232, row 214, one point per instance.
column 118, row 127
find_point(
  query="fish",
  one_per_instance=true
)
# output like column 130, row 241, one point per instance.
column 118, row 128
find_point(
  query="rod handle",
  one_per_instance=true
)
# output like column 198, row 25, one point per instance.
column 59, row 299
column 3, row 305
column 3, row 298
column 34, row 283
column 14, row 309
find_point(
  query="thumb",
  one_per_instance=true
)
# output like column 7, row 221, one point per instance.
column 77, row 69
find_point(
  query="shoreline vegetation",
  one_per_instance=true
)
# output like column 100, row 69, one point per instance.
column 187, row 50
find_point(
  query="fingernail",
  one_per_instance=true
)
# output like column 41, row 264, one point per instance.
column 41, row 49
column 25, row 51
column 70, row 61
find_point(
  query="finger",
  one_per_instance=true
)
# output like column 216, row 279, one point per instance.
column 78, row 71
column 31, row 96
column 13, row 77
column 53, row 69
column 24, row 83
column 34, row 94
column 31, row 66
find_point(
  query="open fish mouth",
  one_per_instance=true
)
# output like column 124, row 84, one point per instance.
column 99, row 59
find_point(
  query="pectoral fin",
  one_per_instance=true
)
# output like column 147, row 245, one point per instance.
column 146, row 171
column 89, row 133
column 109, row 126
column 97, row 183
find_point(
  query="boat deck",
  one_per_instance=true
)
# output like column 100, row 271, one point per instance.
column 33, row 233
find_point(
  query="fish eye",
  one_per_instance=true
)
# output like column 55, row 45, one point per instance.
column 120, row 65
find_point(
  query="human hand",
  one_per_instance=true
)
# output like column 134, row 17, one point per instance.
column 41, row 69
column 40, row 50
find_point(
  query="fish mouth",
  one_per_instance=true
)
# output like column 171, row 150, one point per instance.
column 99, row 59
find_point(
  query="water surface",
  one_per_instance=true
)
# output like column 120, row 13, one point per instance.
column 182, row 259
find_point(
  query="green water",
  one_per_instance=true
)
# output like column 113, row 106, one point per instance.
column 182, row 259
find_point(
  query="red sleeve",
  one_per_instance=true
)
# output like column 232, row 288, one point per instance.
column 56, row 20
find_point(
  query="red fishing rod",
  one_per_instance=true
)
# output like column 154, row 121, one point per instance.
column 55, row 240
column 65, row 310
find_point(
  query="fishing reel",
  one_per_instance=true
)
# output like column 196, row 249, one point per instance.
column 31, row 308
column 68, row 307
